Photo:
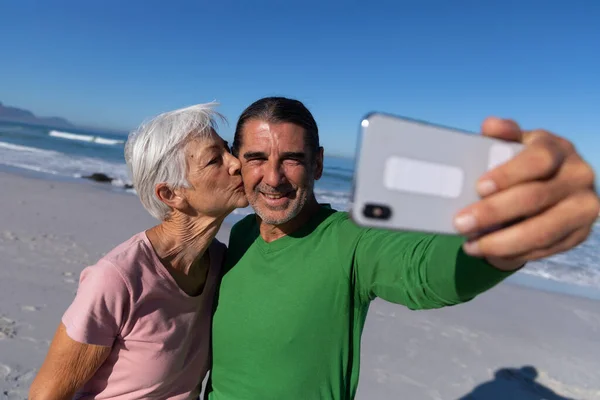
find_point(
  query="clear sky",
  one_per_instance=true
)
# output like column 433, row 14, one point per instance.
column 113, row 63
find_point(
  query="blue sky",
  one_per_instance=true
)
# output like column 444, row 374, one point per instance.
column 114, row 63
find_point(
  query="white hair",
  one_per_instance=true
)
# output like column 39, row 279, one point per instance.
column 154, row 152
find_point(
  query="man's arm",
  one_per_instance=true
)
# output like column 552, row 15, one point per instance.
column 543, row 200
column 67, row 367
column 420, row 271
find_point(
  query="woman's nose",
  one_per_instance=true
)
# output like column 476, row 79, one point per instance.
column 235, row 165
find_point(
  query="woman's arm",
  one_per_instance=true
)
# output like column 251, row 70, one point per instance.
column 67, row 367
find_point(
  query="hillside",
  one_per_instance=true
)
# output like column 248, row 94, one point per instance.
column 15, row 114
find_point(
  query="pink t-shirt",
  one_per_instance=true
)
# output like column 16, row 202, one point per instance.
column 160, row 336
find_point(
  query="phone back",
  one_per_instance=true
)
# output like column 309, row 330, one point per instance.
column 415, row 176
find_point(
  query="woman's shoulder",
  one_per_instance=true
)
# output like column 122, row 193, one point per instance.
column 129, row 248
column 102, row 283
column 123, row 259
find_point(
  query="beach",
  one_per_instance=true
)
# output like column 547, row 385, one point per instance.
column 513, row 342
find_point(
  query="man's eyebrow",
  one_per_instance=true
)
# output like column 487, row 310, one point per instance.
column 254, row 154
column 294, row 154
column 288, row 154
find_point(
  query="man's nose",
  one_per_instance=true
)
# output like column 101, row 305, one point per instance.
column 273, row 175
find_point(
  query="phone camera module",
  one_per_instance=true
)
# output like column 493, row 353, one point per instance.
column 377, row 211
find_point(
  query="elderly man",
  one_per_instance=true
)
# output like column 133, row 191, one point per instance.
column 300, row 276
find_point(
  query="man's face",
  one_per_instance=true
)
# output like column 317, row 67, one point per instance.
column 278, row 170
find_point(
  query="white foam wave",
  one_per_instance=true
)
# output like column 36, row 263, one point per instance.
column 84, row 138
column 31, row 168
column 119, row 183
column 580, row 276
column 101, row 140
column 339, row 200
column 71, row 136
column 18, row 147
column 57, row 163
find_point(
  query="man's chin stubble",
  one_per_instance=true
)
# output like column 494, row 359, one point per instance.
column 264, row 211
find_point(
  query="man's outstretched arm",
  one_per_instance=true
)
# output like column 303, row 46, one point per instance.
column 420, row 271
column 544, row 199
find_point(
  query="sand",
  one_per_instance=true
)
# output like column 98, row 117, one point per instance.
column 510, row 343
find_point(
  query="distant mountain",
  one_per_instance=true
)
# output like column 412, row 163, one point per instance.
column 15, row 114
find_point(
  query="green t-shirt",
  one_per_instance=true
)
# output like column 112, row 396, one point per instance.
column 290, row 313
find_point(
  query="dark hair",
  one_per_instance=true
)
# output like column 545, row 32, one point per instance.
column 277, row 110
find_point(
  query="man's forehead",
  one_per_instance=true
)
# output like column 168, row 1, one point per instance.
column 280, row 134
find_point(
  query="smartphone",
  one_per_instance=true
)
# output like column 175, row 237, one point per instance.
column 416, row 176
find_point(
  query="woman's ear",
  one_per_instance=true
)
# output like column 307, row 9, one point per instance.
column 169, row 196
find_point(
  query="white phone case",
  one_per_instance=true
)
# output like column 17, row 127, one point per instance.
column 416, row 176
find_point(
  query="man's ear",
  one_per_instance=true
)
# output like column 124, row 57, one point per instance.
column 319, row 164
column 169, row 196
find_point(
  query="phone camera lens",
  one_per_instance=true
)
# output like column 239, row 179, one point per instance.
column 377, row 211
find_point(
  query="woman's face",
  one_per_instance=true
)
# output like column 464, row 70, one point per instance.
column 214, row 175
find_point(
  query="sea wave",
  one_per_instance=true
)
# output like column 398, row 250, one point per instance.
column 579, row 275
column 85, row 138
column 344, row 176
column 10, row 129
column 57, row 163
column 339, row 200
column 28, row 149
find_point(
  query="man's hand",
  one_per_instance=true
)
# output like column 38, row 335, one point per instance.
column 544, row 200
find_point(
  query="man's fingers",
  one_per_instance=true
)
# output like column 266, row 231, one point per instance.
column 532, row 135
column 504, row 129
column 575, row 238
column 507, row 206
column 539, row 232
column 539, row 203
column 541, row 159
column 570, row 241
column 526, row 199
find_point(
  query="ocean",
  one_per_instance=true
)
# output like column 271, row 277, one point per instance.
column 63, row 153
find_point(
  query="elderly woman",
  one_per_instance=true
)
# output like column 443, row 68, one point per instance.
column 139, row 326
